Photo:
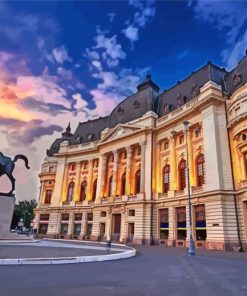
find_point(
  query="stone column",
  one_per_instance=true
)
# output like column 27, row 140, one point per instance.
column 143, row 148
column 89, row 180
column 65, row 182
column 57, row 195
column 70, row 225
column 115, row 167
column 101, row 176
column 173, row 165
column 41, row 195
column 128, row 170
column 158, row 169
column 109, row 226
column 77, row 181
column 191, row 159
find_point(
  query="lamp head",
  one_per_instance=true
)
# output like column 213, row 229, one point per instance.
column 186, row 123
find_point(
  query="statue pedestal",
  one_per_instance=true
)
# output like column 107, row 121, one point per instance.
column 7, row 205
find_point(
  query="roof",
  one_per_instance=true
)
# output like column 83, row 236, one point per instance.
column 237, row 77
column 136, row 105
column 189, row 88
column 89, row 131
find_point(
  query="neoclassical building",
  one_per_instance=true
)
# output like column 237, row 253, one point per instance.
column 124, row 176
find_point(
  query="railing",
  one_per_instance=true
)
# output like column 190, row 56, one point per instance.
column 179, row 192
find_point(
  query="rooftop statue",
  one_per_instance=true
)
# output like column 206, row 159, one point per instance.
column 7, row 166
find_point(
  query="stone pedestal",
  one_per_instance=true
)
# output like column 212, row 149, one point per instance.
column 7, row 204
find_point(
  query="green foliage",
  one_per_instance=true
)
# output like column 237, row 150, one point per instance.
column 24, row 209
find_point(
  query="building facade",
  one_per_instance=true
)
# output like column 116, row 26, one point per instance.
column 124, row 176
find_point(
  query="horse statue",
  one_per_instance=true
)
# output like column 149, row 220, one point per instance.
column 7, row 166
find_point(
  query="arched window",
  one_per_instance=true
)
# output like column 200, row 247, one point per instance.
column 166, row 178
column 48, row 195
column 83, row 191
column 94, row 190
column 182, row 174
column 137, row 182
column 110, row 186
column 70, row 192
column 245, row 163
column 123, row 183
column 200, row 169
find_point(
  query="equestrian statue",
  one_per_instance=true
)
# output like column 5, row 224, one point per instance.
column 7, row 166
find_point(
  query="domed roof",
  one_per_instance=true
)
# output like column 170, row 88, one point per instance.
column 134, row 106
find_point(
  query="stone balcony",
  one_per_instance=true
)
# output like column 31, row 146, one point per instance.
column 195, row 190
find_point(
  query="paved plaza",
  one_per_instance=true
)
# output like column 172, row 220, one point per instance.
column 154, row 271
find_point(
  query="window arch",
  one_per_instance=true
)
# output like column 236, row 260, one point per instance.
column 137, row 182
column 94, row 190
column 166, row 178
column 83, row 190
column 70, row 192
column 182, row 174
column 48, row 195
column 110, row 186
column 123, row 183
column 200, row 169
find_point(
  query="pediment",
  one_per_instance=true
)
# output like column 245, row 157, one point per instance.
column 120, row 131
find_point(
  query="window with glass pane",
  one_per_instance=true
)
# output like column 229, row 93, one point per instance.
column 77, row 229
column 200, row 170
column 181, row 223
column 164, row 224
column 201, row 230
column 166, row 178
column 78, row 216
column 64, row 229
column 182, row 174
column 43, row 228
column 70, row 192
column 48, row 195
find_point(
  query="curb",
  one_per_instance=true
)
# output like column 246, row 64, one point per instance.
column 68, row 260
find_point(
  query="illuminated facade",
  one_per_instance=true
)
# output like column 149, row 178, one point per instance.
column 124, row 176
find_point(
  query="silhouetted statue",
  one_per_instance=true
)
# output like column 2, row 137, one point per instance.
column 7, row 166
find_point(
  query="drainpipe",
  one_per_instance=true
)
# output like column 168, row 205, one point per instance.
column 233, row 183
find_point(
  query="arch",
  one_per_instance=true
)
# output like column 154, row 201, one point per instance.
column 48, row 195
column 182, row 174
column 83, row 190
column 123, row 183
column 200, row 171
column 166, row 178
column 123, row 155
column 70, row 192
column 137, row 181
column 94, row 189
column 109, row 191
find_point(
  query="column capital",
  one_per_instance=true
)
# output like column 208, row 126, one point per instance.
column 129, row 149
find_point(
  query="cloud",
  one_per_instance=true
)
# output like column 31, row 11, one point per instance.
column 79, row 101
column 61, row 55
column 97, row 64
column 131, row 33
column 111, row 16
column 229, row 20
column 145, row 14
column 64, row 73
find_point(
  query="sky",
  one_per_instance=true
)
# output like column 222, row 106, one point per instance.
column 70, row 61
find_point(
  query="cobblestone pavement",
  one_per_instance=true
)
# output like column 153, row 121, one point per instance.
column 154, row 271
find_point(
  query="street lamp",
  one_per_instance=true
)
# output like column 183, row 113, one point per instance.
column 191, row 250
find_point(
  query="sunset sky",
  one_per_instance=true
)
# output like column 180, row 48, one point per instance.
column 72, row 61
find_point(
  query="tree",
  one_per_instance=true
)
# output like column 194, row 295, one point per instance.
column 24, row 209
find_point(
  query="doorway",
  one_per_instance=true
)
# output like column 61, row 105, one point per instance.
column 102, row 231
column 131, row 232
column 116, row 227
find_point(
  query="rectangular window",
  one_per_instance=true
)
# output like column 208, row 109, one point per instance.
column 64, row 229
column 43, row 228
column 181, row 223
column 201, row 230
column 166, row 145
column 78, row 216
column 164, row 224
column 90, row 216
column 65, row 217
column 44, row 217
column 131, row 212
column 77, row 229
column 103, row 214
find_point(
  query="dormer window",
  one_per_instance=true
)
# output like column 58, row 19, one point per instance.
column 181, row 100
column 136, row 105
column 120, row 110
column 237, row 79
column 166, row 108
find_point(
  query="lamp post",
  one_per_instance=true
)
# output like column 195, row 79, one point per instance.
column 191, row 250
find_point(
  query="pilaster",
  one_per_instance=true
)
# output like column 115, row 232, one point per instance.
column 128, row 170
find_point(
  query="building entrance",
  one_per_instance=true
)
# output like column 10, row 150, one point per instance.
column 116, row 227
column 102, row 231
